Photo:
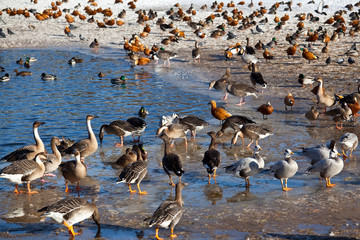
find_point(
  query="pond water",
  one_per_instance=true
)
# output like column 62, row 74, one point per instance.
column 212, row 211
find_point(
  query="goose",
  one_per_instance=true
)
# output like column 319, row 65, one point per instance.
column 71, row 211
column 253, row 132
column 329, row 167
column 48, row 77
column 167, row 120
column 221, row 84
column 86, row 146
column 318, row 152
column 256, row 77
column 24, row 171
column 249, row 49
column 168, row 214
column 235, row 122
column 134, row 172
column 247, row 167
column 65, row 143
column 171, row 162
column 322, row 97
column 196, row 52
column 240, row 90
column 30, row 151
column 173, row 131
column 212, row 157
column 55, row 157
column 119, row 128
column 348, row 141
column 5, row 78
column 164, row 55
column 192, row 122
column 217, row 112
column 285, row 169
column 73, row 171
column 339, row 114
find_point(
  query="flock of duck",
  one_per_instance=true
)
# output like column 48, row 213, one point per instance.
column 33, row 162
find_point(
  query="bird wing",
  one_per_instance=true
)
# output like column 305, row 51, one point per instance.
column 24, row 167
column 79, row 146
column 132, row 171
column 65, row 205
column 166, row 212
column 321, row 165
column 19, row 154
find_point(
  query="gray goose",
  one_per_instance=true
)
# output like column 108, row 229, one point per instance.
column 328, row 167
column 256, row 77
column 168, row 214
column 196, row 52
column 253, row 132
column 55, row 158
column 134, row 172
column 171, row 162
column 319, row 152
column 193, row 123
column 173, row 131
column 73, row 171
column 24, row 171
column 235, row 122
column 285, row 169
column 164, row 55
column 221, row 84
column 240, row 90
column 30, row 151
column 71, row 211
column 348, row 141
column 247, row 167
column 212, row 157
column 87, row 146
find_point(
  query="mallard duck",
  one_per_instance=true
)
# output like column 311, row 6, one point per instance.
column 285, row 169
column 143, row 112
column 5, row 78
column 289, row 101
column 20, row 61
column 30, row 151
column 173, row 131
column 86, row 146
column 312, row 115
column 196, row 52
column 73, row 171
column 118, row 80
column 168, row 214
column 253, row 132
column 240, row 90
column 101, row 74
column 94, row 44
column 218, row 113
column 212, row 157
column 235, row 122
column 55, row 157
column 72, row 61
column 221, row 83
column 325, row 49
column 134, row 172
column 22, row 73
column 247, row 167
column 348, row 141
column 193, row 123
column 171, row 162
column 256, row 77
column 129, row 157
column 24, row 171
column 308, row 55
column 71, row 211
column 265, row 109
column 48, row 77
column 304, row 80
column 328, row 167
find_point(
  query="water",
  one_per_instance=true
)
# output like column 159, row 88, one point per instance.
column 222, row 210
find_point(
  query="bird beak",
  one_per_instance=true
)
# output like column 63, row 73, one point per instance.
column 338, row 154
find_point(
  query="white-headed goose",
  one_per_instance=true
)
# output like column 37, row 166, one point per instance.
column 285, row 169
column 348, row 141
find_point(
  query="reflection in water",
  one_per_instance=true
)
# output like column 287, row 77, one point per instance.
column 213, row 193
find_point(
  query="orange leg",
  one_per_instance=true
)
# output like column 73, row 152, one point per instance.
column 172, row 233
column 328, row 183
column 157, row 235
column 214, row 175
column 171, row 181
column 247, row 182
column 141, row 192
column 344, row 155
column 28, row 189
column 209, row 176
column 248, row 146
column 16, row 189
column 131, row 191
column 285, row 188
column 66, row 189
column 71, row 229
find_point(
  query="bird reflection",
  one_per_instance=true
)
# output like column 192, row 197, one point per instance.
column 213, row 193
column 241, row 196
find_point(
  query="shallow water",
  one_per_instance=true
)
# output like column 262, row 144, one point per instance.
column 222, row 210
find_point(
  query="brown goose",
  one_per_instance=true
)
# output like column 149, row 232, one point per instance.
column 235, row 122
column 30, row 151
column 173, row 131
column 240, row 90
column 134, row 172
column 171, row 162
column 253, row 132
column 221, row 84
column 192, row 122
column 71, row 211
column 87, row 146
column 73, row 171
column 196, row 52
column 55, row 158
column 212, row 157
column 339, row 115
column 322, row 97
column 24, row 171
column 168, row 214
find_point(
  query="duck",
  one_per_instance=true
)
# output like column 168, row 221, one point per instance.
column 129, row 157
column 218, row 113
column 48, row 77
column 265, row 109
column 72, row 61
column 173, row 130
column 171, row 162
column 339, row 114
column 252, row 131
column 289, row 101
column 134, row 172
column 25, row 171
column 259, row 45
column 55, row 157
column 270, row 44
column 328, row 167
column 192, row 122
column 74, row 170
column 119, row 80
column 169, row 213
column 322, row 97
column 22, row 73
column 196, row 52
column 325, row 49
column 348, row 141
column 240, row 90
column 221, row 84
column 143, row 112
column 312, row 114
column 318, row 152
column 247, row 167
column 139, row 126
column 212, row 157
column 305, row 80
column 20, row 61
column 94, row 44
column 142, row 61
column 65, row 143
column 71, row 211
column 256, row 77
column 247, row 58
column 249, row 49
column 30, row 151
column 101, row 74
column 86, row 146
column 5, row 78
column 292, row 50
column 164, row 55
column 27, row 63
column 285, row 169
column 308, row 55
column 235, row 122
column 267, row 55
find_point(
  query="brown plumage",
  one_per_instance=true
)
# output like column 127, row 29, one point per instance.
column 73, row 171
column 22, row 73
column 312, row 115
column 267, row 55
column 313, row 37
column 218, row 113
column 142, row 61
column 265, row 109
column 292, row 50
column 308, row 55
column 289, row 101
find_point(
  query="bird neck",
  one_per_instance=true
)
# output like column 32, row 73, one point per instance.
column 167, row 147
column 90, row 131
column 178, row 197
column 213, row 144
column 39, row 142
column 55, row 150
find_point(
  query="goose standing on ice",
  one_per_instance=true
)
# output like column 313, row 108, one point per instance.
column 285, row 169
